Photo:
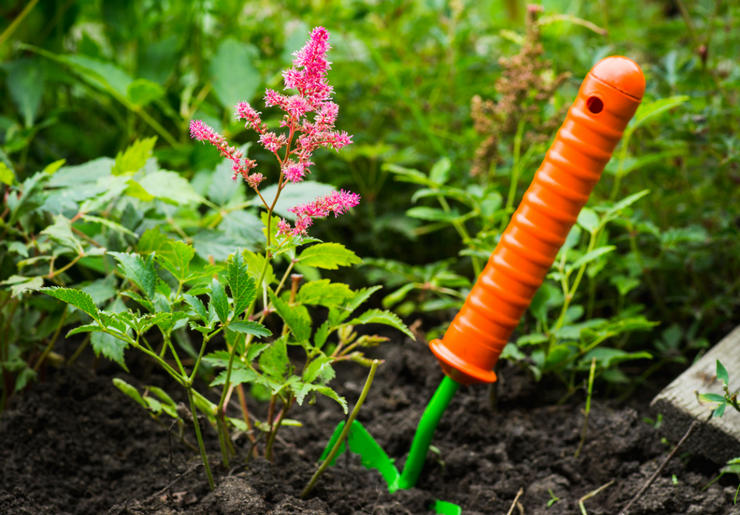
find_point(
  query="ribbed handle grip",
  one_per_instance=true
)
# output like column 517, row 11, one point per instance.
column 606, row 101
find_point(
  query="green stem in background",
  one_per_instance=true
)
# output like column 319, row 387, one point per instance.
column 338, row 444
column 199, row 437
column 425, row 431
column 52, row 340
column 462, row 231
column 570, row 290
column 274, row 427
column 515, row 171
column 587, row 410
column 17, row 21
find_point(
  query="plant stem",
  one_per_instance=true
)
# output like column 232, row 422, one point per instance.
column 587, row 410
column 79, row 350
column 52, row 340
column 274, row 427
column 17, row 21
column 515, row 169
column 353, row 415
column 199, row 437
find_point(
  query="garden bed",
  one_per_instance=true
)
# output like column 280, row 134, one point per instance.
column 75, row 444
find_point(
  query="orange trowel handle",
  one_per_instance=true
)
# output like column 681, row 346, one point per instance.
column 606, row 102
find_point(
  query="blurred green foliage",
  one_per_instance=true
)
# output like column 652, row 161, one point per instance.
column 87, row 78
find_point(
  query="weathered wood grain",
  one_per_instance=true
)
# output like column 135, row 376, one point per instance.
column 718, row 439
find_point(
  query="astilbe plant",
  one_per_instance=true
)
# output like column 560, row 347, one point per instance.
column 170, row 284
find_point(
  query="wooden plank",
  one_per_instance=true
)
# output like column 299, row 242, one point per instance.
column 718, row 439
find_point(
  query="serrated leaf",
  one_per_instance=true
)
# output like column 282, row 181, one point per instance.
column 197, row 306
column 61, row 232
column 360, row 297
column 377, row 316
column 138, row 270
column 79, row 299
column 250, row 327
column 625, row 203
column 20, row 284
column 238, row 376
column 329, row 256
column 722, row 374
column 324, row 293
column 242, row 286
column 110, row 347
column 295, row 317
column 218, row 301
column 328, row 392
column 87, row 328
column 319, row 369
column 274, row 361
column 134, row 157
column 130, row 391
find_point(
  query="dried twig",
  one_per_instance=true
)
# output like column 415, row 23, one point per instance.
column 592, row 494
column 515, row 502
column 662, row 466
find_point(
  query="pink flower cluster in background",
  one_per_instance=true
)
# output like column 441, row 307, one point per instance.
column 302, row 134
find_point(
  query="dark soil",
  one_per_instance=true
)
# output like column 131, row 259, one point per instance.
column 75, row 444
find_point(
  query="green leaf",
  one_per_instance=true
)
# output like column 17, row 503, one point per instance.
column 588, row 219
column 61, row 233
column 238, row 376
column 110, row 347
column 20, row 284
column 329, row 256
column 324, row 293
column 274, row 361
column 408, row 174
column 249, row 327
column 593, row 255
column 649, row 110
column 7, row 176
column 625, row 203
column 398, row 295
column 440, row 172
column 142, row 91
column 432, row 214
column 87, row 328
column 712, row 397
column 79, row 299
column 218, row 300
column 233, row 74
column 722, row 374
column 242, row 287
column 319, row 369
column 25, row 80
column 328, row 392
column 138, row 270
column 255, row 263
column 170, row 187
column 377, row 316
column 295, row 317
column 130, row 391
column 197, row 306
column 607, row 357
column 110, row 224
column 134, row 157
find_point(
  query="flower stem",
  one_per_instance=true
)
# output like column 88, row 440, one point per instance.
column 335, row 450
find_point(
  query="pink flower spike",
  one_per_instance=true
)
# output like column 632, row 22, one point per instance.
column 244, row 111
column 295, row 172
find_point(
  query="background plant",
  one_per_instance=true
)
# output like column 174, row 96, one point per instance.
column 408, row 71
